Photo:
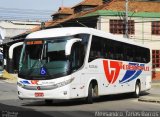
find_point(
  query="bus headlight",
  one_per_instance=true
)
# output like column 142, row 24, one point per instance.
column 20, row 85
column 61, row 84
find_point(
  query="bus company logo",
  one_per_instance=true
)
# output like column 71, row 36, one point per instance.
column 113, row 68
column 35, row 82
column 26, row 82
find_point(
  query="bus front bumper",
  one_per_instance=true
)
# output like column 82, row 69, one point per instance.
column 59, row 93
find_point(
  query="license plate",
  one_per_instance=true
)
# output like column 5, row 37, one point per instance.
column 39, row 94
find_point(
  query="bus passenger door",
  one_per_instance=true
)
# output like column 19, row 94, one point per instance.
column 76, row 65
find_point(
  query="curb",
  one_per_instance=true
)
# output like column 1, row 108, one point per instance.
column 151, row 98
column 11, row 81
column 155, row 85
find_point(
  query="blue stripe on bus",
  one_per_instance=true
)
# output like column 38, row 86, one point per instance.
column 131, row 74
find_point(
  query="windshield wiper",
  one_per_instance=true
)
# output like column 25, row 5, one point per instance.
column 30, row 70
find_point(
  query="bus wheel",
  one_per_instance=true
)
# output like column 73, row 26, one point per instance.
column 48, row 101
column 89, row 99
column 137, row 90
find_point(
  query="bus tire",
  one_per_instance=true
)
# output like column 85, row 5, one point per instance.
column 137, row 91
column 48, row 101
column 89, row 99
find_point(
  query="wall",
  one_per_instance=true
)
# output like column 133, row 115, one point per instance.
column 13, row 28
column 11, row 32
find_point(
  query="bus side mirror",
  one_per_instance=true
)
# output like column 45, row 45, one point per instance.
column 70, row 44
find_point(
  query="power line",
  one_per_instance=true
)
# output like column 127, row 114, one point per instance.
column 34, row 10
column 25, row 14
column 30, row 14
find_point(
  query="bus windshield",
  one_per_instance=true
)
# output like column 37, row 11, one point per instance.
column 44, row 58
column 50, row 58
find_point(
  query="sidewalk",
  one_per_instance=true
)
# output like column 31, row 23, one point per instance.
column 153, row 95
column 7, row 77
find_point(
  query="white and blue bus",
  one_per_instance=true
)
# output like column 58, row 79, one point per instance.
column 77, row 62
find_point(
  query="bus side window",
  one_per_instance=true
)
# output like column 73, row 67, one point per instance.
column 144, row 60
column 96, row 49
column 99, row 55
column 92, row 55
column 77, row 56
column 111, row 55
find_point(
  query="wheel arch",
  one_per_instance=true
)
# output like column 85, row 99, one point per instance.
column 95, row 82
column 138, row 81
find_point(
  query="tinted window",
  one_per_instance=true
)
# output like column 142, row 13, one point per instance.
column 111, row 49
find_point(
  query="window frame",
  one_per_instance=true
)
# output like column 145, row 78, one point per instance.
column 155, row 58
column 155, row 27
column 118, row 26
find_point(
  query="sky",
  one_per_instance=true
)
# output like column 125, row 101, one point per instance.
column 40, row 8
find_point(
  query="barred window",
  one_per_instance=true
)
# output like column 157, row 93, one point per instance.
column 156, row 58
column 118, row 27
column 156, row 28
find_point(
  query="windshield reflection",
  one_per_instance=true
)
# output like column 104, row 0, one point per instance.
column 47, row 56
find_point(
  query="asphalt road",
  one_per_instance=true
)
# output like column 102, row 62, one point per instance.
column 11, row 105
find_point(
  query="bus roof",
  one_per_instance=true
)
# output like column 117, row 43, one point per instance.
column 55, row 32
column 69, row 31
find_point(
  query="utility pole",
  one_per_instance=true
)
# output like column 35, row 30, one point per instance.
column 42, row 25
column 126, row 19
